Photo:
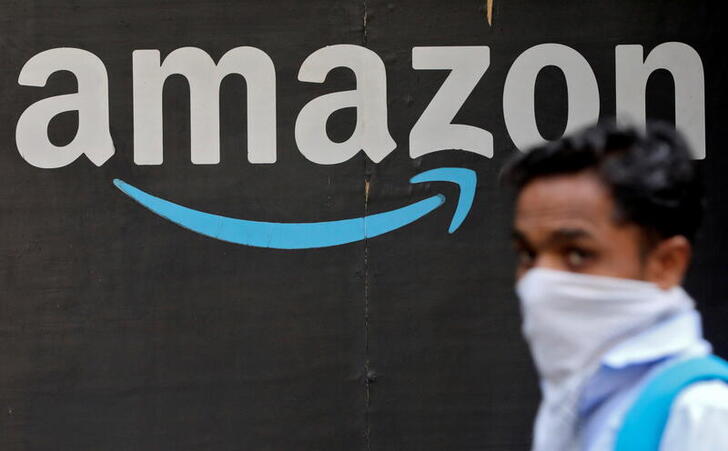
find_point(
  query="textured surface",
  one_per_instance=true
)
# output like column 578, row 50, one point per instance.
column 122, row 331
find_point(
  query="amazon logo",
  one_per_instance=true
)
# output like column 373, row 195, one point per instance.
column 434, row 131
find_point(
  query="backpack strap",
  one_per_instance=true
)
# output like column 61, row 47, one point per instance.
column 646, row 419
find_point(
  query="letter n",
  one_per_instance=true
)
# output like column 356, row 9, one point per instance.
column 686, row 68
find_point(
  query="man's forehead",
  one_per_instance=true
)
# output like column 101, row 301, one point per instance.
column 565, row 202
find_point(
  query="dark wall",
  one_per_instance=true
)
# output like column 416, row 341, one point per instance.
column 122, row 331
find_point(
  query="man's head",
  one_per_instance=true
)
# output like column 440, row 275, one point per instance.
column 608, row 201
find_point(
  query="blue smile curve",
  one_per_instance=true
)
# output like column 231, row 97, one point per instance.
column 306, row 235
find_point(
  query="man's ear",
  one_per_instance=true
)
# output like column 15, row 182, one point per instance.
column 668, row 262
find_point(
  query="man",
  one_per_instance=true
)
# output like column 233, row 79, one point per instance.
column 603, row 227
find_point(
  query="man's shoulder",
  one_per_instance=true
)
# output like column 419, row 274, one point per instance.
column 698, row 418
column 702, row 396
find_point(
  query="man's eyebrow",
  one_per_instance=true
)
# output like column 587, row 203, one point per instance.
column 568, row 234
column 557, row 237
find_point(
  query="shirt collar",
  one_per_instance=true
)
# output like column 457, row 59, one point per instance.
column 670, row 336
column 626, row 363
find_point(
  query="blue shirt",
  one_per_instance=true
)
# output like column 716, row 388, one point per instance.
column 698, row 418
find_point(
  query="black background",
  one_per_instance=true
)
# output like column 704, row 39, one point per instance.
column 122, row 331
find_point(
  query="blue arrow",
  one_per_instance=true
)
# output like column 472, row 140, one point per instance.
column 304, row 235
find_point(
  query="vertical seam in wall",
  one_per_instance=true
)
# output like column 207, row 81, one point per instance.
column 367, row 370
column 364, row 23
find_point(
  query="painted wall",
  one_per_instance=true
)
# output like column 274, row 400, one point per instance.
column 120, row 329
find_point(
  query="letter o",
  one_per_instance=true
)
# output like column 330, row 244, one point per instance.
column 520, row 86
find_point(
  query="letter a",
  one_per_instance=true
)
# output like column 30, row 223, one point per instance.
column 91, row 101
column 369, row 98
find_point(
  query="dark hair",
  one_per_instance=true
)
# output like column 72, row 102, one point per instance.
column 650, row 174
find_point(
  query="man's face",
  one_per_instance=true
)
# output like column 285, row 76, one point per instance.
column 567, row 222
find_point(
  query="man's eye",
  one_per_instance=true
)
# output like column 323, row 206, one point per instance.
column 576, row 258
column 525, row 258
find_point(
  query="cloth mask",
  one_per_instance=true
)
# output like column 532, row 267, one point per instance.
column 570, row 320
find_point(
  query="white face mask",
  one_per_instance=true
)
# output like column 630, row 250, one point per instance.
column 569, row 321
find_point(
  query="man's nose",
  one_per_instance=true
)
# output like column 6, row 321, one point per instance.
column 549, row 261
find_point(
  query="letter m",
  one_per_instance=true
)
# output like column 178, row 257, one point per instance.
column 204, row 78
